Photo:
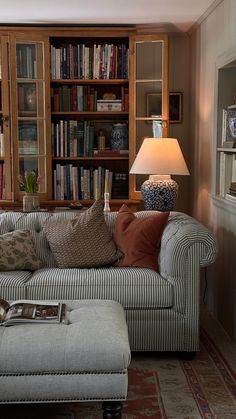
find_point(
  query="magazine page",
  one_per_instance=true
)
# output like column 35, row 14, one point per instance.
column 4, row 305
column 34, row 311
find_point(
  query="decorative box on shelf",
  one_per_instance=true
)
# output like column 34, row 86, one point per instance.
column 109, row 105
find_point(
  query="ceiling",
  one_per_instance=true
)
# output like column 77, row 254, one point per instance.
column 170, row 15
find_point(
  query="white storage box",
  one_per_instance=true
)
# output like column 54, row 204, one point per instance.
column 109, row 105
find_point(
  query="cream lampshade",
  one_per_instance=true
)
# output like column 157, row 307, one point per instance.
column 159, row 158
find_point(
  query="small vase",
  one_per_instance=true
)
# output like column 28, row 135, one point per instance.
column 119, row 137
column 31, row 100
column 30, row 202
column 232, row 126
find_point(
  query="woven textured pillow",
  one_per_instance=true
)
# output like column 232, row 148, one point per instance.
column 139, row 238
column 17, row 251
column 84, row 241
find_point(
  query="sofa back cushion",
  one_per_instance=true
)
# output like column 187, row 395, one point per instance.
column 10, row 221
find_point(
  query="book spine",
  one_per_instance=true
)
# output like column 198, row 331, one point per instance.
column 110, row 152
column 224, row 119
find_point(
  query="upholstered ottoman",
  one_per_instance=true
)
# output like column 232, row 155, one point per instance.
column 86, row 359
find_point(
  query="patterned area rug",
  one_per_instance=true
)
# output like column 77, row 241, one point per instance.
column 164, row 386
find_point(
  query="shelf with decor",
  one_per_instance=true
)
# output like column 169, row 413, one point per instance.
column 72, row 102
column 89, row 83
column 226, row 130
column 227, row 173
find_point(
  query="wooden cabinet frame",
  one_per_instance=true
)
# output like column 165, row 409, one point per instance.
column 9, row 38
column 134, row 194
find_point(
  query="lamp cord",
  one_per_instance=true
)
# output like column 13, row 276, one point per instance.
column 205, row 286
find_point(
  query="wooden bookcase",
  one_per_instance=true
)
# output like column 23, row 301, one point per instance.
column 52, row 81
column 225, row 129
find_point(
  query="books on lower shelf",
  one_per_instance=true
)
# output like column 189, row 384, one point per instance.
column 74, row 182
column 72, row 138
column 231, row 195
column 30, row 311
column 232, row 188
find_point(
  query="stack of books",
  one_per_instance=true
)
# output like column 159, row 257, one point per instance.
column 232, row 189
column 120, row 189
column 231, row 196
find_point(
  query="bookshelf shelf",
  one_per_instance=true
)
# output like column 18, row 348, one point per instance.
column 91, row 158
column 89, row 81
column 227, row 150
column 95, row 113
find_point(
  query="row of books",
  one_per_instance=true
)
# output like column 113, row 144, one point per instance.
column 232, row 189
column 72, row 138
column 77, row 182
column 26, row 61
column 231, row 195
column 79, row 98
column 102, row 61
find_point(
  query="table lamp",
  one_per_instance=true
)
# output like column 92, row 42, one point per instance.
column 159, row 158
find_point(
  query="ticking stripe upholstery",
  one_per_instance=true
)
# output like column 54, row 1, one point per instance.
column 162, row 310
column 13, row 284
column 132, row 287
column 85, row 359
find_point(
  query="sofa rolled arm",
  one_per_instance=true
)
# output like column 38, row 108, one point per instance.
column 184, row 242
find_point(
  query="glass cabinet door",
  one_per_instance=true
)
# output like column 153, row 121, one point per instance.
column 30, row 116
column 5, row 145
column 149, row 92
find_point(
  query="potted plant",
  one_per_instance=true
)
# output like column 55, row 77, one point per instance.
column 29, row 183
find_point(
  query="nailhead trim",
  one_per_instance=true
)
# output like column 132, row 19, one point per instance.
column 62, row 400
column 9, row 374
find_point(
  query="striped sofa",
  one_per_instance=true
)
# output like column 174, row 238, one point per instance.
column 162, row 309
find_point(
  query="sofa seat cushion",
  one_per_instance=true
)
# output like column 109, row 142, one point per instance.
column 13, row 284
column 94, row 340
column 132, row 287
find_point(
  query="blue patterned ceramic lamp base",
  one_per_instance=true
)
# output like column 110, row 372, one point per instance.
column 160, row 195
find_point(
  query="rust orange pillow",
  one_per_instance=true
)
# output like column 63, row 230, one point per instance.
column 139, row 238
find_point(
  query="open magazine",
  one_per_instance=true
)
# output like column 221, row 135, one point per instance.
column 28, row 311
